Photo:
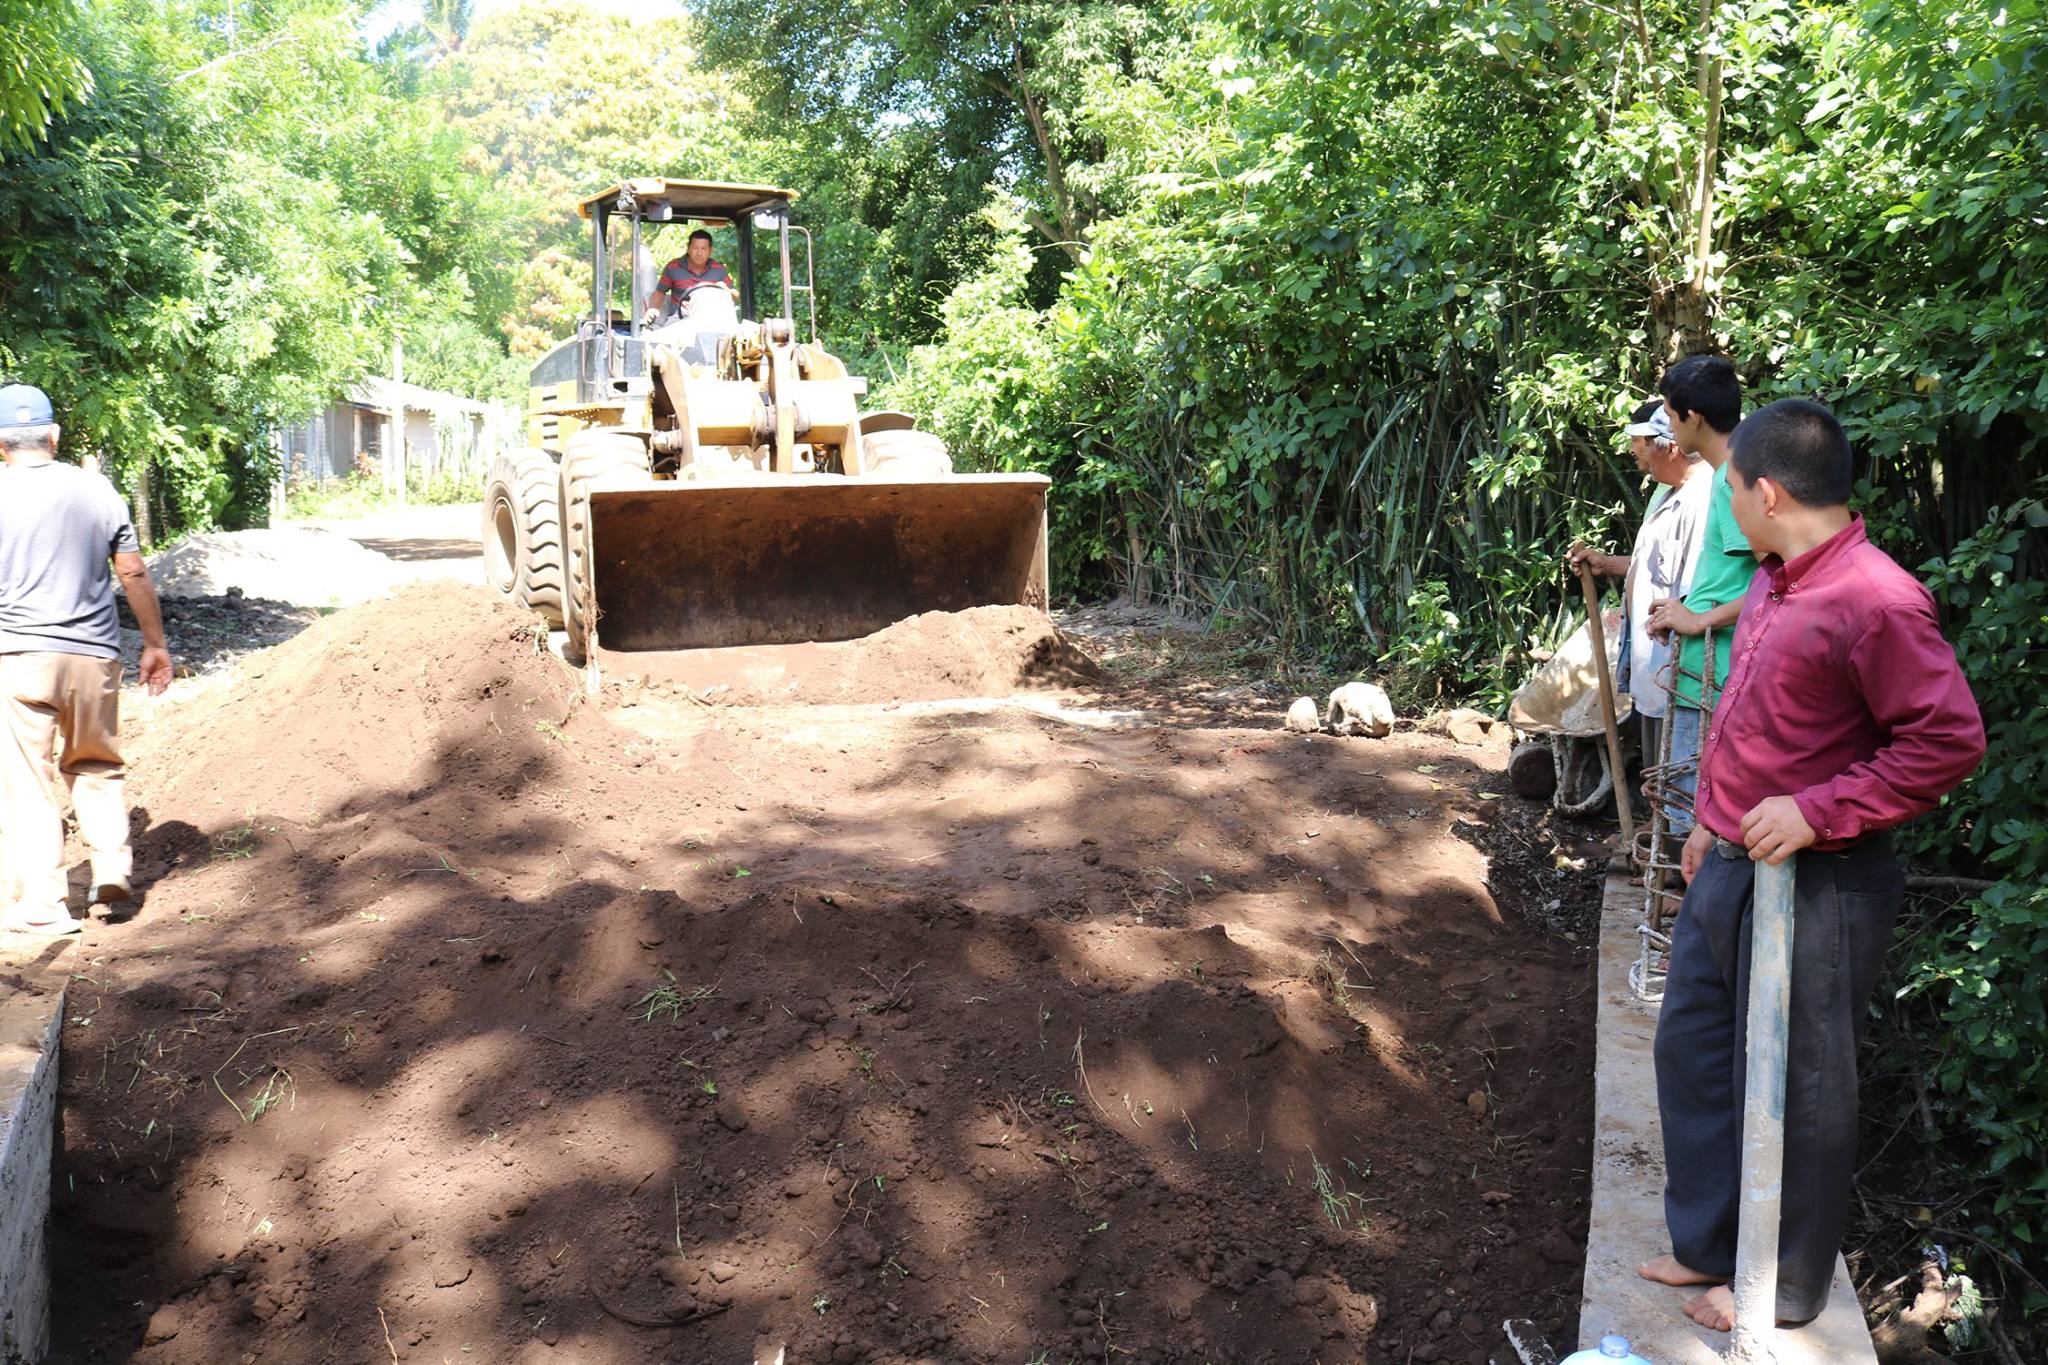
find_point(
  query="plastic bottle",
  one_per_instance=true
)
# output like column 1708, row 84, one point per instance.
column 1612, row 1350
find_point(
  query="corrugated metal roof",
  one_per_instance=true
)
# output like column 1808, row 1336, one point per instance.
column 390, row 395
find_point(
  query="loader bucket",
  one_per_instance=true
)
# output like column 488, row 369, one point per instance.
column 808, row 557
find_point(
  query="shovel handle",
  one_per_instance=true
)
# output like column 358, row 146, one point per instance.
column 1598, row 632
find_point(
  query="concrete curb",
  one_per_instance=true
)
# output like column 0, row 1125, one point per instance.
column 1628, row 1189
column 29, row 1033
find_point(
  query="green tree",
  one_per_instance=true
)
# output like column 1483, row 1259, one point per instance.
column 222, row 237
column 41, row 73
column 555, row 100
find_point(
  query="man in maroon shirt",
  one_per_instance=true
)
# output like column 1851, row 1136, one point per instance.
column 1844, row 715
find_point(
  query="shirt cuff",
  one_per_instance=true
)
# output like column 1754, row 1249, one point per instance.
column 1822, row 811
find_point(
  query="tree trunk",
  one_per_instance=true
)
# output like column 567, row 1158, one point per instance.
column 145, row 523
column 1069, row 227
column 1682, row 312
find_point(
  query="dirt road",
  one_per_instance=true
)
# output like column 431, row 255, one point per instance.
column 467, row 1018
column 425, row 542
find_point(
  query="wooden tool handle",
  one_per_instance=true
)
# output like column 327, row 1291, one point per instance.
column 1597, row 630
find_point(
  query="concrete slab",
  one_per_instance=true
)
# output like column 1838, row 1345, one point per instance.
column 1628, row 1189
column 29, row 1024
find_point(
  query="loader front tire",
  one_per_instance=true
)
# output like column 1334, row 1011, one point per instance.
column 591, row 454
column 904, row 454
column 522, row 532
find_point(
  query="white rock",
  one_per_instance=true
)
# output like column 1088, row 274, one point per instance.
column 1360, row 708
column 1302, row 717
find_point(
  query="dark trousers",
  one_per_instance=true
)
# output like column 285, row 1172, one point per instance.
column 1843, row 910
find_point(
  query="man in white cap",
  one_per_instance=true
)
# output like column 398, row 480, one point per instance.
column 1661, row 565
column 60, row 667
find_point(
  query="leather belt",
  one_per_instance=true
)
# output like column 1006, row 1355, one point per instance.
column 1735, row 852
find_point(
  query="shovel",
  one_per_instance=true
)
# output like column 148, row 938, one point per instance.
column 1622, row 804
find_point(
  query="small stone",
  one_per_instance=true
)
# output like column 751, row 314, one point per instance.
column 1476, row 1102
column 163, row 1325
column 1556, row 1247
column 1360, row 708
column 1303, row 717
column 721, row 1271
column 730, row 1118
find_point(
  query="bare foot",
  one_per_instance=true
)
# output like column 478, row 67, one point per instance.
column 1713, row 1310
column 1672, row 1271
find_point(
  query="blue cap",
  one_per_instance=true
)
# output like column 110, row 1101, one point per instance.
column 1658, row 428
column 24, row 405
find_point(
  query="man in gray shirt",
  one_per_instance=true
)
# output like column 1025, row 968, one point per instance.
column 60, row 667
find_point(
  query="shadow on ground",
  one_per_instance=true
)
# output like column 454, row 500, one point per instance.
column 950, row 1038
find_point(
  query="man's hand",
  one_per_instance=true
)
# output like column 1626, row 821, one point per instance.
column 651, row 317
column 1603, row 565
column 155, row 668
column 1669, row 616
column 1698, row 844
column 1775, row 830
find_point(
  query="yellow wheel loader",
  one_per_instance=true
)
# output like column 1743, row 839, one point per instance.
column 700, row 475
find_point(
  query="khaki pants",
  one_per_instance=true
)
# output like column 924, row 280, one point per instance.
column 59, row 717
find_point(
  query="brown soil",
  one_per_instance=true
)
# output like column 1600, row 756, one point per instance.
column 469, row 1020
column 985, row 652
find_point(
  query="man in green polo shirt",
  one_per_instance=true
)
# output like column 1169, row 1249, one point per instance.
column 1703, row 402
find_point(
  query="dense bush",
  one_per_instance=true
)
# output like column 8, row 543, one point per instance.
column 1979, row 970
column 1354, row 366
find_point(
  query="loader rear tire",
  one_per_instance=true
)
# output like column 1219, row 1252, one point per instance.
column 591, row 454
column 523, row 533
column 901, row 453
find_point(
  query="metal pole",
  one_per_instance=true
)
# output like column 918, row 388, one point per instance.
column 788, row 302
column 1763, row 1122
column 1616, row 768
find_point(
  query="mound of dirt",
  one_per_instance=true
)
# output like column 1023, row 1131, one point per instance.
column 296, row 564
column 366, row 702
column 514, row 1029
column 982, row 652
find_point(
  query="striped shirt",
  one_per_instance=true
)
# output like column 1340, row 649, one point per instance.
column 677, row 279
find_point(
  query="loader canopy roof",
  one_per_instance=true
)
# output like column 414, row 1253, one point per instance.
column 707, row 200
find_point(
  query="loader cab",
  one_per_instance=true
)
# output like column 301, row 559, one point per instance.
column 636, row 227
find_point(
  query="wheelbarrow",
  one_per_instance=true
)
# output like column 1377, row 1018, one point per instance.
column 1562, row 751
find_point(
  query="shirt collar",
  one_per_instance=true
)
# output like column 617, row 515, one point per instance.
column 1788, row 574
